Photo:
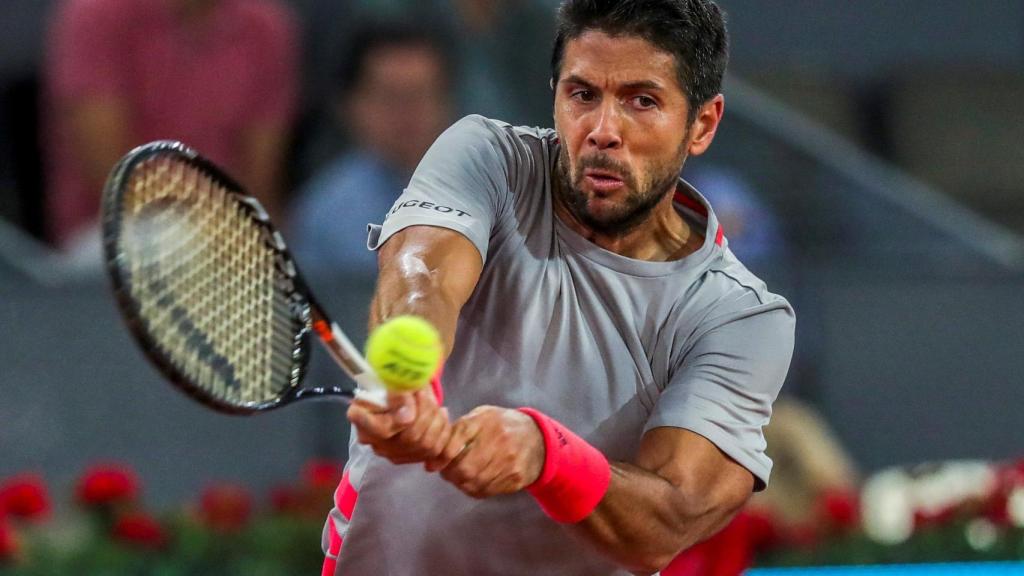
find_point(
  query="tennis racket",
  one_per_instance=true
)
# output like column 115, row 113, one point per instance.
column 208, row 287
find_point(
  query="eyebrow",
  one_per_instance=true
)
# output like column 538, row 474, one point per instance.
column 638, row 85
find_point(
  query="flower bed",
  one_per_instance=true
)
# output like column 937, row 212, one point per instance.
column 223, row 532
column 966, row 511
column 958, row 511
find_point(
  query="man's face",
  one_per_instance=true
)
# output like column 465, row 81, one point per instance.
column 401, row 104
column 621, row 116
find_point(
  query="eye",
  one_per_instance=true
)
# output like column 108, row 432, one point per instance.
column 583, row 95
column 645, row 102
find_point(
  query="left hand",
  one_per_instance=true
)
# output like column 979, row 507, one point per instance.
column 492, row 451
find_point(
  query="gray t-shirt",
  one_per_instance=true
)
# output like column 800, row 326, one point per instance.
column 608, row 345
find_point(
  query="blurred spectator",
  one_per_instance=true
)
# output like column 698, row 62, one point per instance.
column 499, row 52
column 219, row 75
column 505, row 52
column 394, row 99
column 754, row 232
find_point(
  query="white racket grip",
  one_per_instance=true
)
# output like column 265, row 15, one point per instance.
column 351, row 361
column 370, row 387
column 371, row 390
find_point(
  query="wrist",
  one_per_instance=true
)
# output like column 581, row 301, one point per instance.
column 575, row 475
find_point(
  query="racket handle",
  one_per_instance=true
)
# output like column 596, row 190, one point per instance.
column 331, row 394
column 350, row 360
column 378, row 396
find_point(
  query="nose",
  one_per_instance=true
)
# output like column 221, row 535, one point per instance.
column 606, row 133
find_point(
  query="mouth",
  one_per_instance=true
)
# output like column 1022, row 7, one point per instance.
column 603, row 180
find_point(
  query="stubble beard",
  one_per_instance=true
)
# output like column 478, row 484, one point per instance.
column 638, row 204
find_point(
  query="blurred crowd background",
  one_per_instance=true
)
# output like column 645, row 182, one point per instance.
column 870, row 168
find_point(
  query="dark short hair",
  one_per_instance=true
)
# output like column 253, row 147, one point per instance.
column 691, row 30
column 373, row 35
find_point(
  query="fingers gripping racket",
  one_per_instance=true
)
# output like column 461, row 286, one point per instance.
column 209, row 289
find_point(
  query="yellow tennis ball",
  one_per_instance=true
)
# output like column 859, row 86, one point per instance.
column 404, row 352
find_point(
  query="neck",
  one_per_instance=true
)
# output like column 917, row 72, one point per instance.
column 661, row 237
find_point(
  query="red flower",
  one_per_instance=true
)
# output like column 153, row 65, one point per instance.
column 8, row 543
column 997, row 508
column 25, row 497
column 764, row 528
column 107, row 484
column 924, row 519
column 322, row 474
column 804, row 536
column 226, row 507
column 1018, row 467
column 285, row 500
column 139, row 530
column 839, row 509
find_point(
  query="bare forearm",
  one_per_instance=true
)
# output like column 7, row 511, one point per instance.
column 644, row 521
column 410, row 287
column 429, row 272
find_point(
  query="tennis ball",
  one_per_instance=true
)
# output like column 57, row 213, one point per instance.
column 404, row 352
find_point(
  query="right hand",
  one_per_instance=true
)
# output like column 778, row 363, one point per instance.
column 411, row 428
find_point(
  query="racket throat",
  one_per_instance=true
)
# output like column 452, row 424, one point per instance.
column 348, row 358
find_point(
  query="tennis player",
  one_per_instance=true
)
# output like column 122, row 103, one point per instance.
column 610, row 363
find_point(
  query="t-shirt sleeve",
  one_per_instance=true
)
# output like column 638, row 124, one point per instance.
column 462, row 184
column 726, row 383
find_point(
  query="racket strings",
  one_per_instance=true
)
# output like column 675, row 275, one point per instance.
column 207, row 283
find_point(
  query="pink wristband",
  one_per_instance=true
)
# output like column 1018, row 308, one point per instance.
column 435, row 385
column 575, row 476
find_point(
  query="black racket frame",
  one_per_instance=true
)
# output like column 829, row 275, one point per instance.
column 304, row 308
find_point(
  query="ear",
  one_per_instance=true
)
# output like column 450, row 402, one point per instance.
column 705, row 125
